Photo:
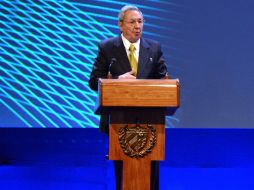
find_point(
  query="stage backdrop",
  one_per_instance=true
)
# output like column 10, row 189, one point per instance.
column 47, row 49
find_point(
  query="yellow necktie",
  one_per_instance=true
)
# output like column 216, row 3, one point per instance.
column 132, row 60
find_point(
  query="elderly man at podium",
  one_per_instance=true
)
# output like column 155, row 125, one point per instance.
column 128, row 56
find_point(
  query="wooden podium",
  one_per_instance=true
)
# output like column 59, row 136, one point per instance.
column 137, row 110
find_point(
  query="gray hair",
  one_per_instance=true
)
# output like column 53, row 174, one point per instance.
column 127, row 8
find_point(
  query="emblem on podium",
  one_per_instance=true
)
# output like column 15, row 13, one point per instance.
column 137, row 141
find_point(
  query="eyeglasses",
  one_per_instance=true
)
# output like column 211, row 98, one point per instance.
column 133, row 22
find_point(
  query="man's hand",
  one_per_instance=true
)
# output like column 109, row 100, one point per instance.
column 128, row 75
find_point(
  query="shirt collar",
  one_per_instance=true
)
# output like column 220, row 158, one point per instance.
column 127, row 43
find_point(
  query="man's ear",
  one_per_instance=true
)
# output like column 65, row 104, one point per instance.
column 120, row 24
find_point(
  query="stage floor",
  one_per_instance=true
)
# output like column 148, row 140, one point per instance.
column 45, row 159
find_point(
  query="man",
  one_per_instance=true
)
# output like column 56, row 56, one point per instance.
column 128, row 56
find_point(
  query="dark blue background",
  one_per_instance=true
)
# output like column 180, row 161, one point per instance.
column 217, row 67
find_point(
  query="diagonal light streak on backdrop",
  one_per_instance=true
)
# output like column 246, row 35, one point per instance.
column 34, row 85
column 49, row 72
column 10, row 74
column 49, row 76
column 47, row 49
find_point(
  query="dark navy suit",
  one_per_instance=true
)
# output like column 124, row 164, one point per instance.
column 151, row 65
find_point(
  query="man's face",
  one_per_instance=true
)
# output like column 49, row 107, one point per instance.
column 132, row 25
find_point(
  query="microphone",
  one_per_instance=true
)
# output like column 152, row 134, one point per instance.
column 113, row 60
column 166, row 76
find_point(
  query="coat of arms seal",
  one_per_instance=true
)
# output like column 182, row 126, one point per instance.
column 137, row 141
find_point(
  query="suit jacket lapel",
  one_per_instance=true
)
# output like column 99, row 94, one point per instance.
column 121, row 56
column 143, row 57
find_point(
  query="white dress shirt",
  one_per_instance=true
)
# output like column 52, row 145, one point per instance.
column 127, row 44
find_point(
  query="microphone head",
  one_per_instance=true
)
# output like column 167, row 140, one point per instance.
column 113, row 60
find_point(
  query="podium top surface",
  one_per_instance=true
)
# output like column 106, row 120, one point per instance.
column 142, row 82
column 138, row 93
